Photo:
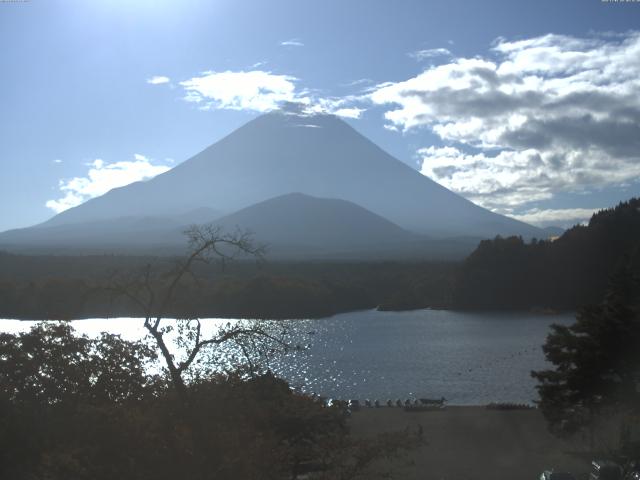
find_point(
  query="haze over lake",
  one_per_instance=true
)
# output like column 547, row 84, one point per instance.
column 469, row 358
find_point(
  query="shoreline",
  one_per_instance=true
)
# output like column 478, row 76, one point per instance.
column 531, row 312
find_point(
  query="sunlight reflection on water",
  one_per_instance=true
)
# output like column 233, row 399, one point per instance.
column 469, row 358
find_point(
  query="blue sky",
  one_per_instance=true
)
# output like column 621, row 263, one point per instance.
column 528, row 108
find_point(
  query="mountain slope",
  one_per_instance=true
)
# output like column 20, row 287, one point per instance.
column 133, row 233
column 129, row 232
column 321, row 156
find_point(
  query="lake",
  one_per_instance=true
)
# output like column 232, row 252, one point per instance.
column 469, row 358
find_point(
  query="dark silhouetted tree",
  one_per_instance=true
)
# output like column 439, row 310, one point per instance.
column 155, row 294
column 596, row 360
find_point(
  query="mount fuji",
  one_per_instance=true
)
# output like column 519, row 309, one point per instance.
column 275, row 155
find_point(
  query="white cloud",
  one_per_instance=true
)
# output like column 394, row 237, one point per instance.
column 341, row 106
column 292, row 42
column 101, row 178
column 158, row 80
column 530, row 119
column 352, row 112
column 506, row 178
column 262, row 91
column 57, row 161
column 254, row 90
column 430, row 53
column 564, row 217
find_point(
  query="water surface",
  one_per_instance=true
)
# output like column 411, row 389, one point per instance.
column 469, row 358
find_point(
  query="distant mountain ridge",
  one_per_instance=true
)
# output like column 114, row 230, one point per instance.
column 290, row 226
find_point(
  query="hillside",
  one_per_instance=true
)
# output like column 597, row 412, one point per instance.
column 563, row 274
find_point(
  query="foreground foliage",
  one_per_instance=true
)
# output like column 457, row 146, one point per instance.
column 74, row 407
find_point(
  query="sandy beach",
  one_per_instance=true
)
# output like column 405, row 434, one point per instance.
column 469, row 443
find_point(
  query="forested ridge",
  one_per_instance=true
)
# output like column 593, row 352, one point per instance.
column 560, row 274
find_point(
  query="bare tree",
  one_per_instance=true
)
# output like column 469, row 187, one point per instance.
column 154, row 297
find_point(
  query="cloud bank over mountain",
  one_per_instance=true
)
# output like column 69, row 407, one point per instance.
column 261, row 91
column 535, row 117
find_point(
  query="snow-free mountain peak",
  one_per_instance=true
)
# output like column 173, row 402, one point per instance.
column 317, row 155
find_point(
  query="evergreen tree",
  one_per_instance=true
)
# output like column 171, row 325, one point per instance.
column 596, row 360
